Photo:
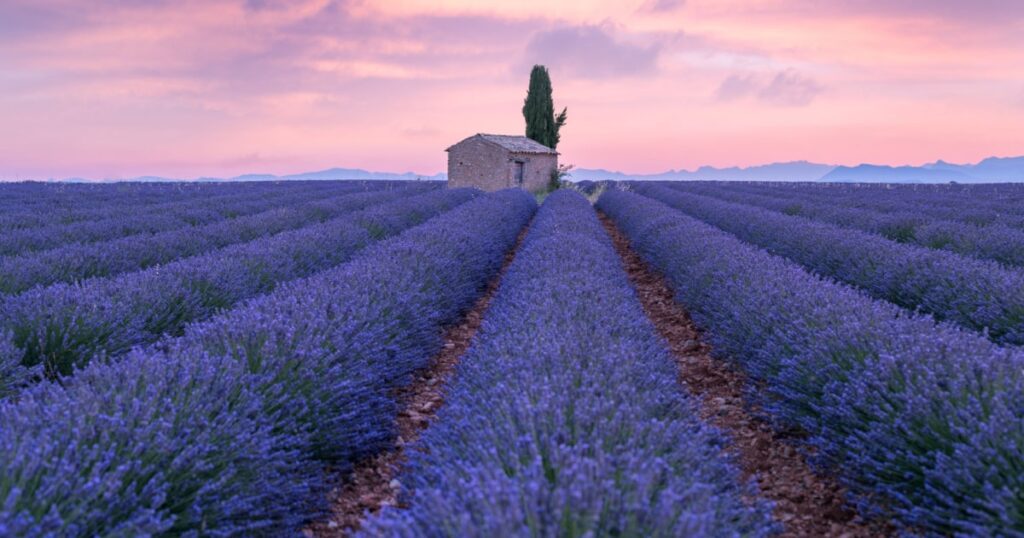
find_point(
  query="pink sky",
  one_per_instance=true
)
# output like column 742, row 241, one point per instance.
column 191, row 88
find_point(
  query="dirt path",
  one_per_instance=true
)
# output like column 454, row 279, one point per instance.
column 806, row 503
column 373, row 483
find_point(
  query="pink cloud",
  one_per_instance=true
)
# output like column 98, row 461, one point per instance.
column 661, row 6
column 999, row 11
column 590, row 52
column 789, row 88
column 736, row 86
column 785, row 88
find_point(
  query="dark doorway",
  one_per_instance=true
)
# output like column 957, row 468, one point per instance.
column 518, row 173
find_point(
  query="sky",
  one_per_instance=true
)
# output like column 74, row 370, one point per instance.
column 184, row 88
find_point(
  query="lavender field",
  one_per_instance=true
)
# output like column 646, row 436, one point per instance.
column 390, row 358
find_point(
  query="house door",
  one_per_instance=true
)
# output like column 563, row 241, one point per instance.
column 518, row 173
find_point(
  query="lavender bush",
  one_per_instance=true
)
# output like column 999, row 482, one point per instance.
column 64, row 325
column 13, row 376
column 924, row 420
column 226, row 430
column 79, row 261
column 366, row 327
column 33, row 205
column 976, row 294
column 565, row 417
column 980, row 205
column 998, row 242
column 120, row 220
column 150, row 445
column 29, row 205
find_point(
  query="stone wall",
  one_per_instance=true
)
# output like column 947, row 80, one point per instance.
column 537, row 169
column 480, row 164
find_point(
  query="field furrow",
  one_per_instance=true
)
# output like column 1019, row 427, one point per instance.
column 923, row 420
column 228, row 429
column 564, row 418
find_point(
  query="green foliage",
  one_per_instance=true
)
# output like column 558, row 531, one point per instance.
column 542, row 124
column 557, row 179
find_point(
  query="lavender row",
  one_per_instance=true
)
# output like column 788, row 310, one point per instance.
column 977, row 294
column 13, row 375
column 125, row 221
column 996, row 242
column 970, row 205
column 925, row 419
column 120, row 198
column 64, row 326
column 76, row 197
column 69, row 202
column 117, row 220
column 565, row 417
column 1003, row 196
column 80, row 261
column 227, row 431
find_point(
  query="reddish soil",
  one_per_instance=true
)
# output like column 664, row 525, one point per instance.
column 806, row 503
column 373, row 483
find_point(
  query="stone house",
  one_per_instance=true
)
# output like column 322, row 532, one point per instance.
column 493, row 162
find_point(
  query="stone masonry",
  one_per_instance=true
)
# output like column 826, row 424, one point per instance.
column 494, row 162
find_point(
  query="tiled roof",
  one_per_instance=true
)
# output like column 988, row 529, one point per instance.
column 515, row 144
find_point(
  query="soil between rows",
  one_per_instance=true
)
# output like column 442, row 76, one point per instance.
column 806, row 503
column 373, row 483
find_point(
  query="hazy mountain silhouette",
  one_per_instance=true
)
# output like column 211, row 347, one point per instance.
column 867, row 173
column 992, row 169
column 357, row 173
column 790, row 171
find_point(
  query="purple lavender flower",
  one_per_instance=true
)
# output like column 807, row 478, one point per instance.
column 225, row 431
column 922, row 419
column 565, row 417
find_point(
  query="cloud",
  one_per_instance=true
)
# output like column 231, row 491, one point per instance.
column 785, row 88
column 789, row 88
column 260, row 5
column 988, row 10
column 22, row 20
column 661, row 6
column 960, row 11
column 735, row 87
column 590, row 52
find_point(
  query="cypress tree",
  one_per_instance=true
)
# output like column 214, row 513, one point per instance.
column 542, row 124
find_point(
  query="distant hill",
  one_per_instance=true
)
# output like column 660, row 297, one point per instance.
column 791, row 171
column 330, row 173
column 869, row 173
column 993, row 169
column 990, row 170
column 356, row 173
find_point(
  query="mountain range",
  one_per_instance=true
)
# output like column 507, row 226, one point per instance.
column 791, row 171
column 991, row 170
column 330, row 173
